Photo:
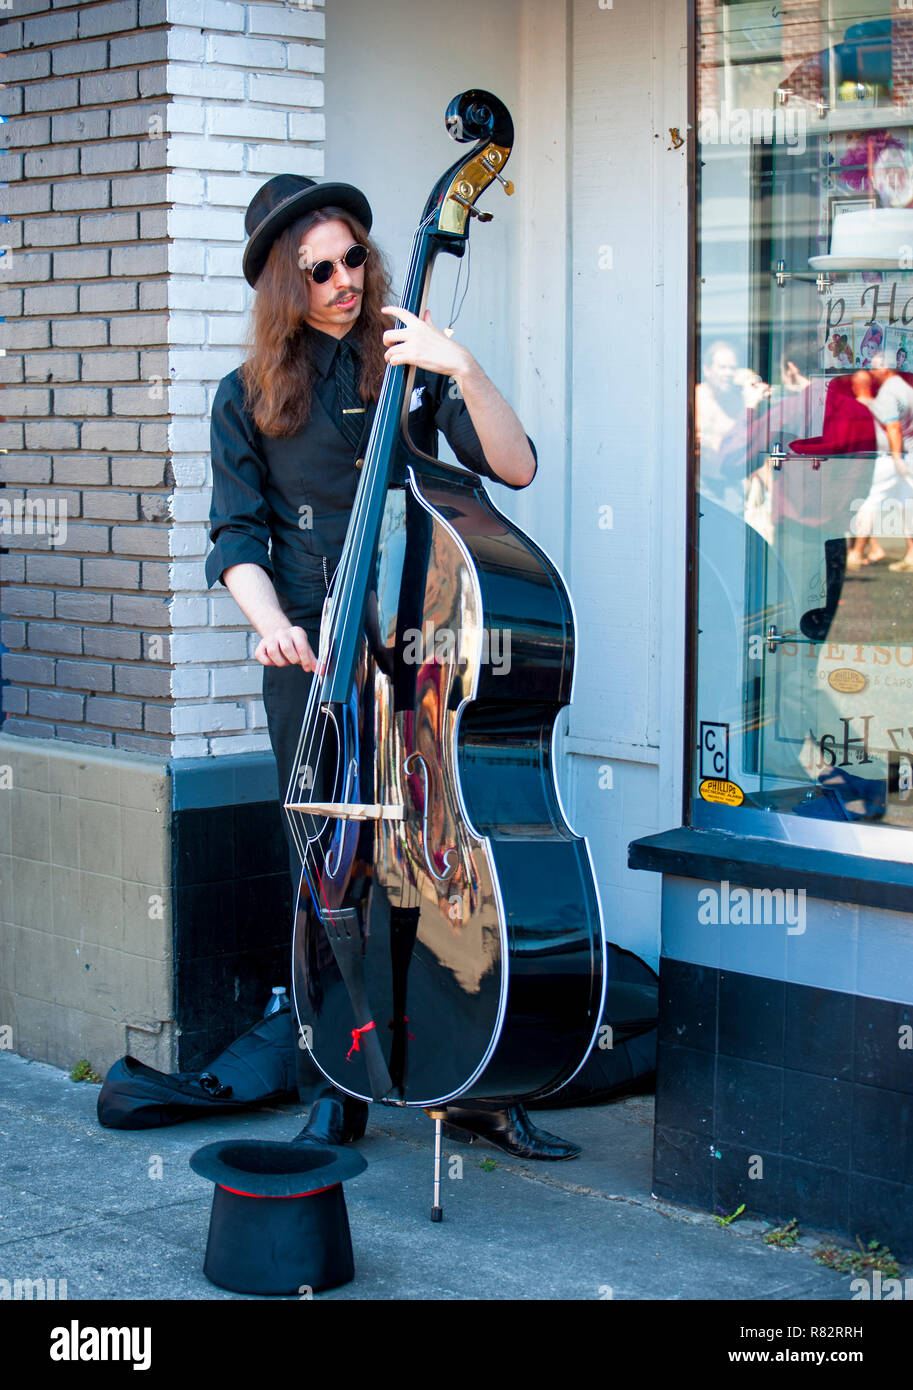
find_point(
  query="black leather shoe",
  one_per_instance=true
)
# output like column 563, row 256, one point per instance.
column 334, row 1121
column 509, row 1130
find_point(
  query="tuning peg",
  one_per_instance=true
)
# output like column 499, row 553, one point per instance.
column 465, row 203
column 506, row 184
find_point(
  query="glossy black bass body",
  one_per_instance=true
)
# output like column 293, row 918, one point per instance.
column 448, row 933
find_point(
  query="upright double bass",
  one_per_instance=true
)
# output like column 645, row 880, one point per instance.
column 448, row 938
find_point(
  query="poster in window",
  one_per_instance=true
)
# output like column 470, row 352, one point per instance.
column 869, row 338
column 898, row 349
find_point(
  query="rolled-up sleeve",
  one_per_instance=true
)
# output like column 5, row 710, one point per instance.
column 239, row 513
column 454, row 421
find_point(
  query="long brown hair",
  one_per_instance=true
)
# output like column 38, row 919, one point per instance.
column 278, row 373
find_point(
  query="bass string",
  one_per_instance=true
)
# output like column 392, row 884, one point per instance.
column 308, row 734
column 309, row 723
column 346, row 585
column 372, row 470
column 372, row 460
column 354, row 537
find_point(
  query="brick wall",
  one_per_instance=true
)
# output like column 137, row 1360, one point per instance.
column 901, row 58
column 84, row 298
column 255, row 113
column 138, row 132
column 708, row 56
column 804, row 35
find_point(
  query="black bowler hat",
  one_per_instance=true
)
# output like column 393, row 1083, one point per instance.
column 278, row 1221
column 282, row 201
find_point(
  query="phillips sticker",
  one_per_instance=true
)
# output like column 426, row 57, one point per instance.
column 847, row 681
column 725, row 793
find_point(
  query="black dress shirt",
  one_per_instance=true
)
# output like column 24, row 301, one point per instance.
column 284, row 504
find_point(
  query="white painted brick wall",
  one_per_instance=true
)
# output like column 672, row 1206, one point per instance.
column 226, row 680
column 191, row 504
column 204, row 717
column 134, row 269
column 189, row 610
column 192, row 683
column 254, row 110
column 191, row 747
column 254, row 743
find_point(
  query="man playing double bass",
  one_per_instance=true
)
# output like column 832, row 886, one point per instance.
column 288, row 429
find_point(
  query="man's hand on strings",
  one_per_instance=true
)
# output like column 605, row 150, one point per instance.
column 501, row 435
column 286, row 646
column 417, row 343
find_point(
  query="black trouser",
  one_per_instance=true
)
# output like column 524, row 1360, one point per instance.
column 285, row 693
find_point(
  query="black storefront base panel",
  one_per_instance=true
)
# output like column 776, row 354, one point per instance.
column 794, row 1100
column 785, row 1059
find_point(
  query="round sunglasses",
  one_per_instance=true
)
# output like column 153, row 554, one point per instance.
column 353, row 258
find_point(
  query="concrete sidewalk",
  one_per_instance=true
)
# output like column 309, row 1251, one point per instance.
column 79, row 1202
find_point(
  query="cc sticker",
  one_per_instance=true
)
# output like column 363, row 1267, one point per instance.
column 713, row 744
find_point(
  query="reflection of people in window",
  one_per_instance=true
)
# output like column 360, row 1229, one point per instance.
column 790, row 408
column 718, row 399
column 793, row 367
column 726, row 399
column 890, row 399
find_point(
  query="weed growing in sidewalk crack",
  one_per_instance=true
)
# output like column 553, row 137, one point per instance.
column 84, row 1072
column 785, row 1236
column 869, row 1257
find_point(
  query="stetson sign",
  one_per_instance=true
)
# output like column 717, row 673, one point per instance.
column 838, row 707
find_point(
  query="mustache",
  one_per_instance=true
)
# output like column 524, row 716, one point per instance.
column 346, row 294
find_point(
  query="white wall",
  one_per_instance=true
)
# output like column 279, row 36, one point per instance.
column 391, row 71
column 628, row 367
column 592, row 358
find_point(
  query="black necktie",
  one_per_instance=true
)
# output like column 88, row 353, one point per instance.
column 350, row 403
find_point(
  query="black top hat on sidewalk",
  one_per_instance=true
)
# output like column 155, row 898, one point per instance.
column 282, row 201
column 278, row 1223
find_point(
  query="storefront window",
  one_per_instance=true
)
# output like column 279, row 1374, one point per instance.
column 803, row 688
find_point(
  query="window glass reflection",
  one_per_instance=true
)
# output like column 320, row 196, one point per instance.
column 803, row 409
